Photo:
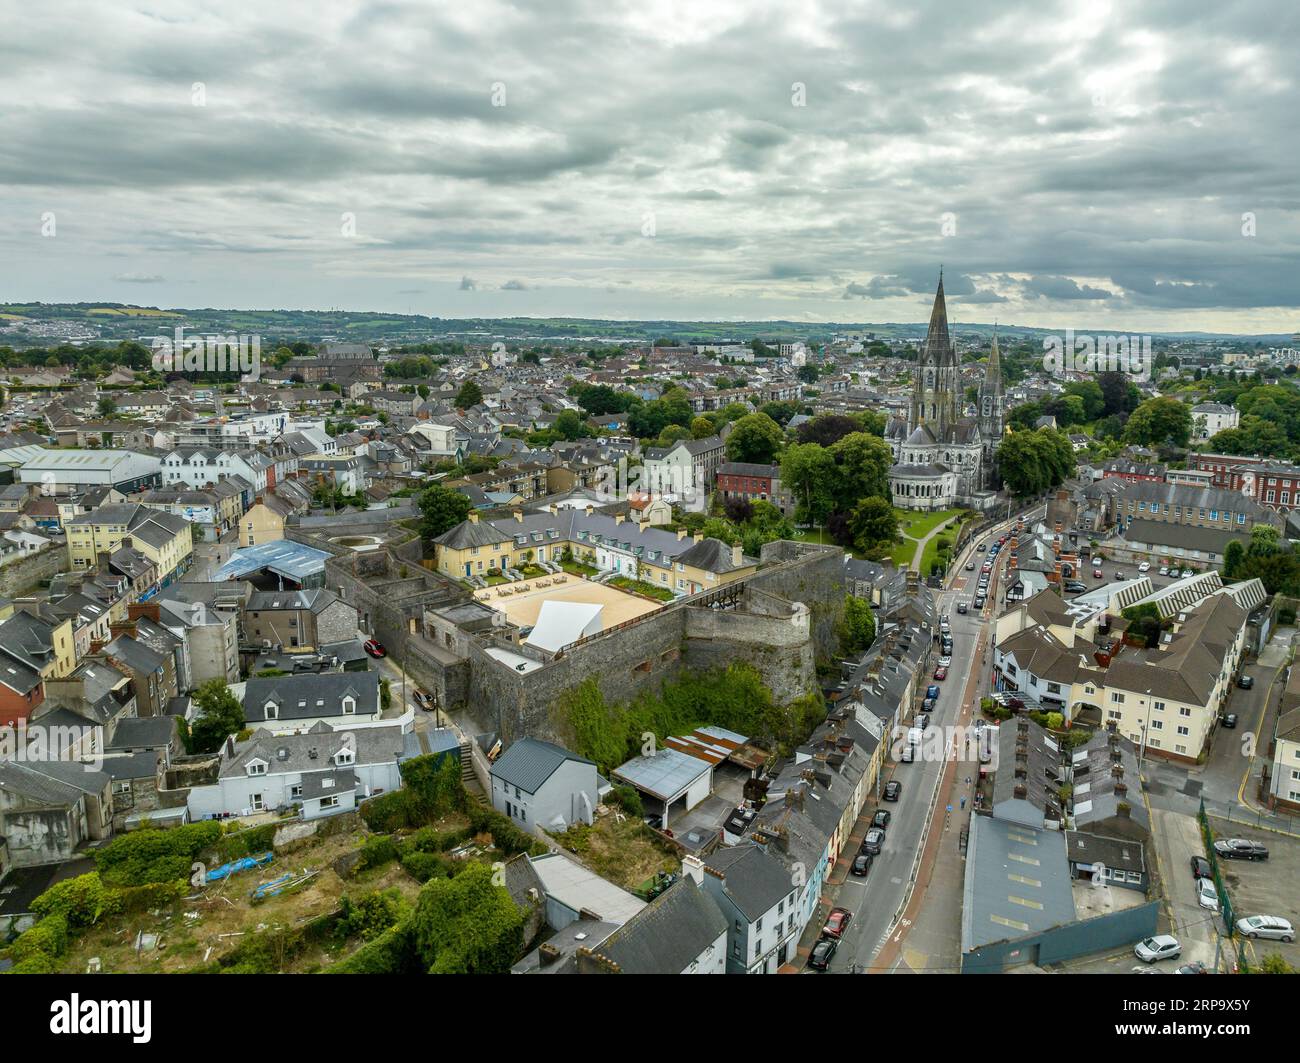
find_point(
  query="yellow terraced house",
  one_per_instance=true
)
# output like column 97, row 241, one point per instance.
column 164, row 538
column 675, row 561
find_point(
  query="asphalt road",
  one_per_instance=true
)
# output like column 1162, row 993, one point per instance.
column 876, row 899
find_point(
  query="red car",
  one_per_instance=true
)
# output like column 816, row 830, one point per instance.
column 837, row 922
column 374, row 649
column 941, row 672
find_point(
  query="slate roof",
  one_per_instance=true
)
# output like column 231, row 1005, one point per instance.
column 754, row 880
column 668, row 934
column 297, row 696
column 529, row 762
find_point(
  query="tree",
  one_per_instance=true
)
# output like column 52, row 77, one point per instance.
column 441, row 510
column 873, row 525
column 1119, row 393
column 106, row 406
column 470, row 394
column 808, row 472
column 702, row 428
column 468, row 924
column 828, row 428
column 570, row 426
column 862, row 465
column 219, row 715
column 754, row 438
column 1033, row 462
column 858, row 628
column 1158, row 420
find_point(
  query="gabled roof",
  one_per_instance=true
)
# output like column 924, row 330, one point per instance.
column 668, row 934
column 529, row 762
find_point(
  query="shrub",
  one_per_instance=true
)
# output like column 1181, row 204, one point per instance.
column 48, row 938
column 372, row 915
column 81, row 900
column 506, row 836
column 37, row 963
column 392, row 952
column 423, row 866
column 626, row 798
column 146, row 856
column 377, row 851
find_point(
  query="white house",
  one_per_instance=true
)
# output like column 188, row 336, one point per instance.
column 320, row 773
column 1210, row 418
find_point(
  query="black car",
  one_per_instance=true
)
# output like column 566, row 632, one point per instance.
column 979, row 601
column 820, row 958
column 970, row 566
column 1240, row 849
column 1075, row 587
column 1200, row 867
column 874, row 841
column 892, row 790
column 962, row 607
column 861, row 864
column 1229, row 721
column 1245, row 681
column 881, row 818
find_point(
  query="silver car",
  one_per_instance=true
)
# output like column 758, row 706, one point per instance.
column 1160, row 947
column 1266, row 926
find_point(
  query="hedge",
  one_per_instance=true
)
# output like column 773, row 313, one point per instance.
column 393, row 952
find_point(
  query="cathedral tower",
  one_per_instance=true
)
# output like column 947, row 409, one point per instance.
column 992, row 411
column 936, row 387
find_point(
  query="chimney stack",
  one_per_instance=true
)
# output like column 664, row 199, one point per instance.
column 738, row 555
column 681, row 534
column 519, row 515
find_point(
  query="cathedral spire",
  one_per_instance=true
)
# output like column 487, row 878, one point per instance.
column 936, row 336
column 994, row 369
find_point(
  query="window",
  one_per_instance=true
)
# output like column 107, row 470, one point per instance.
column 349, row 705
column 257, row 768
column 1116, row 698
column 329, row 802
column 295, row 790
column 272, row 710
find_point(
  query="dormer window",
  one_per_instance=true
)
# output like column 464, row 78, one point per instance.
column 272, row 710
column 257, row 767
column 349, row 705
column 345, row 756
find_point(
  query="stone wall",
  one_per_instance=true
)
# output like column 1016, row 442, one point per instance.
column 25, row 573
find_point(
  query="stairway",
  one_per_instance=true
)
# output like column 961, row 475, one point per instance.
column 467, row 777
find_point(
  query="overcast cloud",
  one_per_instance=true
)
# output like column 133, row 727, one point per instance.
column 1084, row 164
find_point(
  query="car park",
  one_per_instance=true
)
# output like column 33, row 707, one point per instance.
column 1200, row 867
column 861, row 864
column 1240, row 849
column 881, row 818
column 820, row 957
column 1206, row 895
column 892, row 789
column 1160, row 947
column 837, row 922
column 874, row 841
column 1273, row 927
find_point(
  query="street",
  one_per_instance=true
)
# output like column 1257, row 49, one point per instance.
column 882, row 901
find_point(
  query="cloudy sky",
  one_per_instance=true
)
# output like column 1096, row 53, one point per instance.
column 1070, row 164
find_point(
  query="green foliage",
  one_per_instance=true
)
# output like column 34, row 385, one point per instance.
column 872, row 526
column 628, row 799
column 754, row 438
column 392, row 952
column 506, row 836
column 441, row 509
column 81, row 900
column 467, row 925
column 146, row 856
column 49, row 937
column 1159, row 420
column 432, row 787
column 219, row 715
column 1031, row 462
column 374, row 914
column 470, row 394
column 858, row 628
column 734, row 697
column 376, row 851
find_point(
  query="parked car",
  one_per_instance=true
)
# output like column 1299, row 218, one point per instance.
column 1164, row 570
column 1206, row 895
column 908, row 754
column 941, row 673
column 424, row 699
column 979, row 601
column 1160, row 947
column 881, row 818
column 1174, row 573
column 837, row 922
column 861, row 864
column 1245, row 681
column 945, row 661
column 1145, row 566
column 1188, row 573
column 1195, row 967
column 892, row 789
column 922, row 721
column 1074, row 586
column 1273, row 927
column 374, row 649
column 932, row 691
column 874, row 841
column 1201, row 867
column 1096, row 573
column 1240, row 849
column 820, row 957
column 1229, row 721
